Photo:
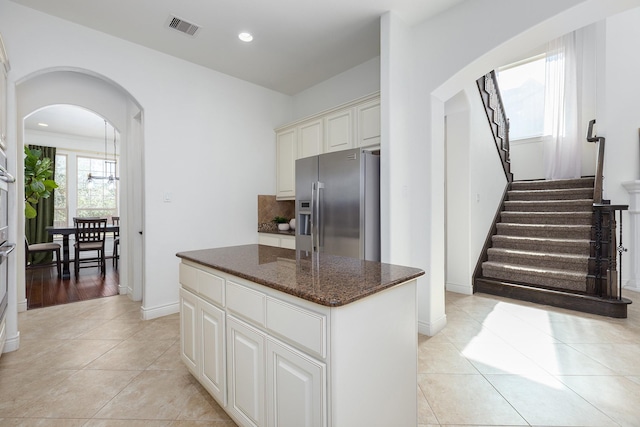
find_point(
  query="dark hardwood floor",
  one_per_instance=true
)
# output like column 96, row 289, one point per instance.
column 44, row 289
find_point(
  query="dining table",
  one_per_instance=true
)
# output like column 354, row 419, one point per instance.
column 65, row 232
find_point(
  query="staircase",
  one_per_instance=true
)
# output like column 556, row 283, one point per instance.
column 541, row 249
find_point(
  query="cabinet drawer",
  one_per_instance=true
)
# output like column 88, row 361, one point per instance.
column 211, row 287
column 288, row 242
column 189, row 277
column 301, row 327
column 268, row 240
column 246, row 303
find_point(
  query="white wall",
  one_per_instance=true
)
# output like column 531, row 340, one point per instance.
column 354, row 83
column 208, row 137
column 458, row 195
column 475, row 185
column 487, row 179
column 444, row 54
column 621, row 119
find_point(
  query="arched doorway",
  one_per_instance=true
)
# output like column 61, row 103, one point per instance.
column 108, row 100
column 80, row 144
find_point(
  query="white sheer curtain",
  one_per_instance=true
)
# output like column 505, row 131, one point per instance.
column 562, row 151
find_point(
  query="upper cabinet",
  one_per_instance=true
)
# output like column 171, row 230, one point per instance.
column 355, row 124
column 310, row 138
column 339, row 131
column 4, row 70
column 286, row 154
column 368, row 123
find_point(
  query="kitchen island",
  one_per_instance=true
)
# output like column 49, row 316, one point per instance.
column 283, row 338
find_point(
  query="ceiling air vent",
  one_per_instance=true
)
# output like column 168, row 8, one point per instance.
column 182, row 26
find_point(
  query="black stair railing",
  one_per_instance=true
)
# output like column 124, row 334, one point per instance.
column 597, row 188
column 605, row 278
column 499, row 123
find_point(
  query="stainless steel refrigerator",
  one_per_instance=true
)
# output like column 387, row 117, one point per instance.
column 338, row 204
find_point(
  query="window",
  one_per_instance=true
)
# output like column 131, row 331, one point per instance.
column 522, row 87
column 60, row 199
column 98, row 199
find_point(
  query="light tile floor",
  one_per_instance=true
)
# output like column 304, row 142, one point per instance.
column 502, row 362
column 95, row 363
column 498, row 362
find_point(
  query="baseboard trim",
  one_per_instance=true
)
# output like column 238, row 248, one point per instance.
column 632, row 285
column 12, row 343
column 432, row 328
column 22, row 306
column 160, row 311
column 459, row 289
column 123, row 289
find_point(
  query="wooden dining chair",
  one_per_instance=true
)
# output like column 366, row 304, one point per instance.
column 30, row 249
column 115, row 220
column 90, row 237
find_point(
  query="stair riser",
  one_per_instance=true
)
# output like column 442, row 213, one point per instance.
column 551, row 195
column 569, row 265
column 553, row 185
column 540, row 218
column 548, row 281
column 527, row 245
column 561, row 206
column 544, row 232
column 587, row 304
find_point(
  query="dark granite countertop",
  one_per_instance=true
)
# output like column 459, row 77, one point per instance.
column 328, row 280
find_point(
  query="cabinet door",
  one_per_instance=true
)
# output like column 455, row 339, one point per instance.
column 212, row 354
column 286, row 154
column 246, row 363
column 339, row 132
column 188, row 330
column 310, row 139
column 369, row 123
column 296, row 393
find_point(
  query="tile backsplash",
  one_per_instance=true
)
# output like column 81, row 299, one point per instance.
column 269, row 207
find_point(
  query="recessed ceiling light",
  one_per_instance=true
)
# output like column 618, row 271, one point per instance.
column 44, row 125
column 245, row 37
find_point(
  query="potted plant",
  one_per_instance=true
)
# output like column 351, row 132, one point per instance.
column 37, row 182
column 282, row 222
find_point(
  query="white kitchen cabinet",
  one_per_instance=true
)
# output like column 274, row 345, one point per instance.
column 269, row 239
column 202, row 329
column 339, row 131
column 310, row 138
column 296, row 393
column 291, row 362
column 288, row 242
column 278, row 241
column 4, row 70
column 354, row 124
column 188, row 330
column 246, row 372
column 368, row 115
column 286, row 154
column 211, row 328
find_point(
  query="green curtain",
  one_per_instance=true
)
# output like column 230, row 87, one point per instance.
column 35, row 228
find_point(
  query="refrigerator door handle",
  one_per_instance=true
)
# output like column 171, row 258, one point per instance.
column 320, row 226
column 312, row 220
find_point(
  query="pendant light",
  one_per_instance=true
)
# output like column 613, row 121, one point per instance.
column 110, row 166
